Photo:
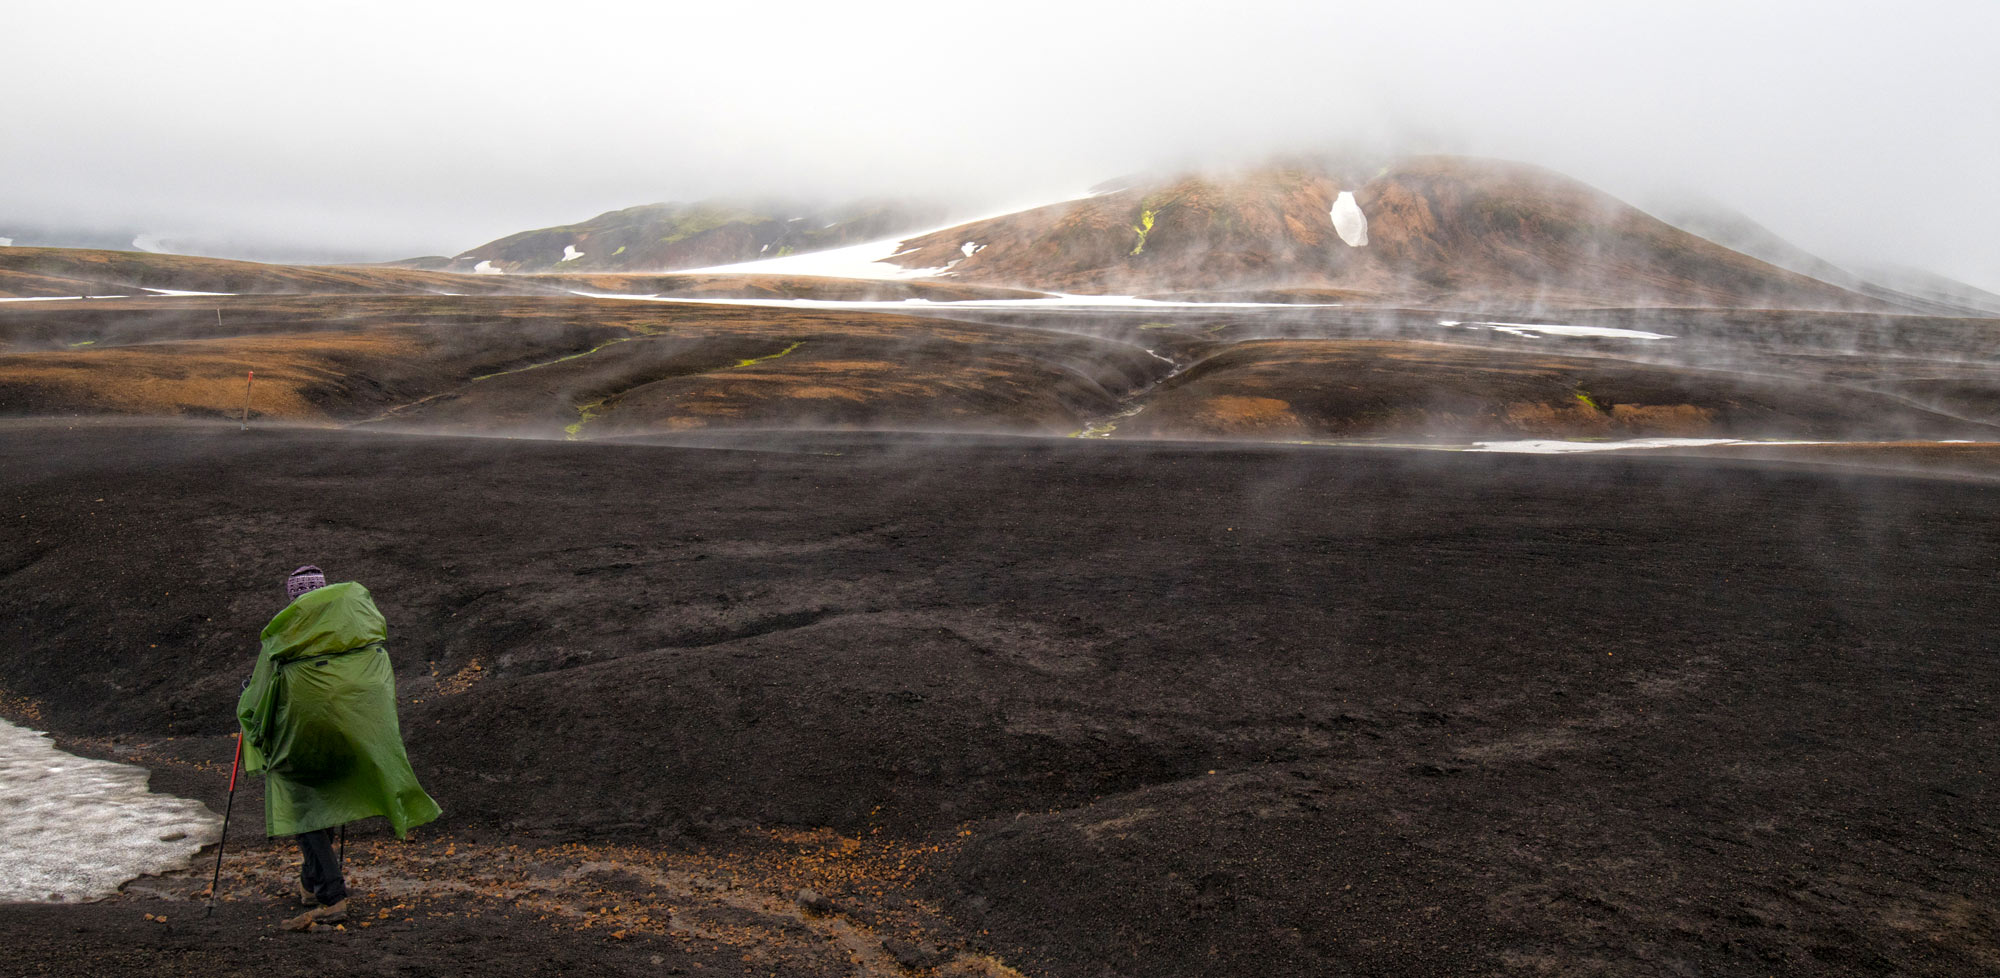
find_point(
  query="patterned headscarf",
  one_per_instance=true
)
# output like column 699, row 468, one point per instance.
column 307, row 578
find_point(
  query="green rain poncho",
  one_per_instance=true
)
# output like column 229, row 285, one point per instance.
column 319, row 719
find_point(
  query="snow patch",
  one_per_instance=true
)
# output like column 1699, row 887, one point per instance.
column 869, row 260
column 570, row 253
column 1549, row 447
column 1348, row 221
column 485, row 267
column 149, row 243
column 6, row 242
column 178, row 291
column 1057, row 301
column 1535, row 331
column 970, row 248
column 614, row 295
column 60, row 298
column 77, row 829
column 862, row 261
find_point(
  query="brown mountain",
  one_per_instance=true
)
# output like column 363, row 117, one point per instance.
column 1437, row 228
column 1423, row 232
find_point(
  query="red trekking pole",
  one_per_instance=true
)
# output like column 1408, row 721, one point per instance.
column 226, row 808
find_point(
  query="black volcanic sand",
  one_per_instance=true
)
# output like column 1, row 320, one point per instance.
column 1089, row 709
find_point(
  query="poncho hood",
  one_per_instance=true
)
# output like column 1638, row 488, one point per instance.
column 335, row 618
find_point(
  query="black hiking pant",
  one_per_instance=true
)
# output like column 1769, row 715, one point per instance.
column 321, row 871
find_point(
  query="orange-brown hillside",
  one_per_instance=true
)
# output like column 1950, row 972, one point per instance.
column 1439, row 229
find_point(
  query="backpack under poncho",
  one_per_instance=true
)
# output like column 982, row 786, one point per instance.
column 319, row 719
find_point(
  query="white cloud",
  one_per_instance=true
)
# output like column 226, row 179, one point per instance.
column 415, row 129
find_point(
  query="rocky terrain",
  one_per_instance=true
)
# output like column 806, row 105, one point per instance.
column 1046, row 707
column 964, row 617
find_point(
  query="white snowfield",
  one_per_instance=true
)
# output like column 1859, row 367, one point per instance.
column 150, row 243
column 485, row 267
column 181, row 291
column 869, row 260
column 68, row 298
column 1547, row 447
column 6, row 242
column 159, row 294
column 864, row 261
column 918, row 307
column 570, row 253
column 78, row 829
column 1535, row 331
column 1348, row 221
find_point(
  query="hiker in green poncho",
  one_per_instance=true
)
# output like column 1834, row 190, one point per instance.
column 319, row 722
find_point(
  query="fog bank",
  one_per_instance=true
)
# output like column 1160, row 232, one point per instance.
column 1859, row 130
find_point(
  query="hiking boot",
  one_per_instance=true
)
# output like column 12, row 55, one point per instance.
column 306, row 898
column 335, row 914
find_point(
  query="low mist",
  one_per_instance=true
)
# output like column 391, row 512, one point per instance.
column 1860, row 131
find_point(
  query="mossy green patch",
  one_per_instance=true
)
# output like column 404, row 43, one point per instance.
column 551, row 363
column 620, row 251
column 1143, row 228
column 586, row 413
column 774, row 356
column 81, row 343
column 1585, row 397
column 702, row 220
column 1104, row 427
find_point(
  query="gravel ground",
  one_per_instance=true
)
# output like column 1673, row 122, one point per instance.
column 1082, row 708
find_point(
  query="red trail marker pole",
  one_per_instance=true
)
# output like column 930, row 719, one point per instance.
column 226, row 809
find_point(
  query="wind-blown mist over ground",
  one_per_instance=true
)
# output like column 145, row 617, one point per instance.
column 1858, row 131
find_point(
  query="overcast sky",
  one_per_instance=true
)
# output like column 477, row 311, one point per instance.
column 1865, row 131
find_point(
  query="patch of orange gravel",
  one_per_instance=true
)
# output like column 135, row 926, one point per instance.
column 1665, row 419
column 1237, row 413
column 1530, row 416
column 743, row 895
